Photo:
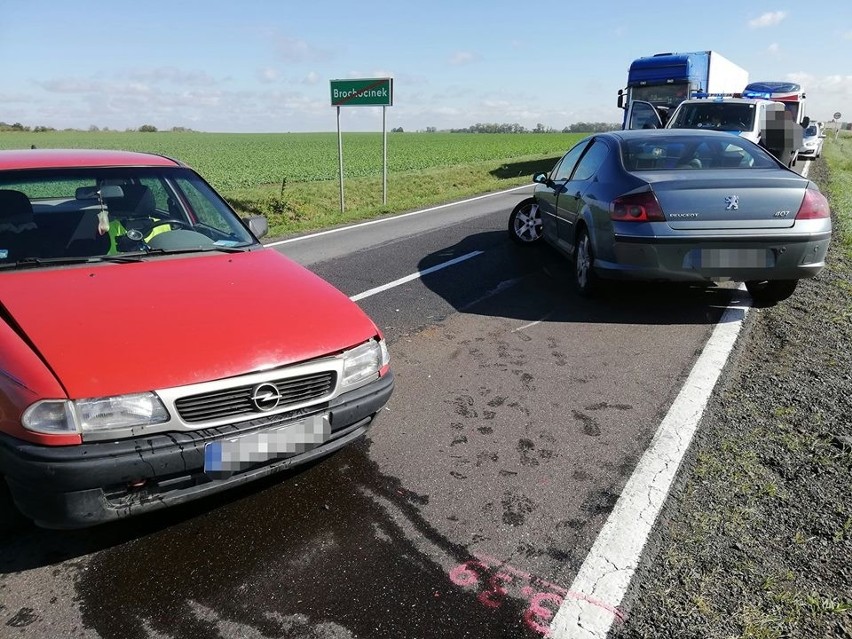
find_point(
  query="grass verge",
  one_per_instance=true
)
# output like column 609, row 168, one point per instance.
column 307, row 206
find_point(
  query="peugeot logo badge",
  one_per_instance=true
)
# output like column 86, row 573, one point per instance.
column 732, row 202
column 266, row 397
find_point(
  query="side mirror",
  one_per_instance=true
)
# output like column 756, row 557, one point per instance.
column 805, row 122
column 540, row 178
column 620, row 101
column 258, row 225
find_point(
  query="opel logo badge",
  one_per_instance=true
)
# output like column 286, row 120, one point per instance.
column 266, row 397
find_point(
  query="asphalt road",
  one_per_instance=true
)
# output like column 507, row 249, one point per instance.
column 520, row 409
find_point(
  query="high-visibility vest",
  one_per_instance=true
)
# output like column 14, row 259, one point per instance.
column 116, row 229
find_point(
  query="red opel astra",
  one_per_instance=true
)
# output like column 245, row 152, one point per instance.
column 152, row 351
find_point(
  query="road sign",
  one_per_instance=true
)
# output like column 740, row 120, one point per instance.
column 837, row 115
column 362, row 92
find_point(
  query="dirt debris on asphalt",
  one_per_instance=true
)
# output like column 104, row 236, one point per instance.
column 756, row 540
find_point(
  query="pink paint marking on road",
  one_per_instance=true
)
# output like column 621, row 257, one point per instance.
column 495, row 578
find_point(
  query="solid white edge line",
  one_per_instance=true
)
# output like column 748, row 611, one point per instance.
column 591, row 605
column 395, row 217
column 414, row 276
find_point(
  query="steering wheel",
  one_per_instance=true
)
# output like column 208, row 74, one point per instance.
column 147, row 224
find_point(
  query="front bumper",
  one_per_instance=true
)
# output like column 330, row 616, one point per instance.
column 92, row 483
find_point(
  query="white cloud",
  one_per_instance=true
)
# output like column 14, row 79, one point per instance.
column 311, row 79
column 298, row 50
column 460, row 58
column 768, row 19
column 774, row 48
column 268, row 75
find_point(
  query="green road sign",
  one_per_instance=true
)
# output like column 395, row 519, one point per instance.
column 362, row 92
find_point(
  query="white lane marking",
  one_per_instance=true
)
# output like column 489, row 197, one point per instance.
column 393, row 218
column 531, row 324
column 603, row 579
column 502, row 286
column 414, row 276
column 806, row 169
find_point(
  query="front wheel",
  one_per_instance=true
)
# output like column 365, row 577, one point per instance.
column 585, row 279
column 770, row 292
column 525, row 222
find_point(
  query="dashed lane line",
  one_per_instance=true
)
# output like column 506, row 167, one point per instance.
column 414, row 276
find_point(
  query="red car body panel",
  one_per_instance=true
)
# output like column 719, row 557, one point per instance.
column 116, row 328
column 58, row 158
column 25, row 379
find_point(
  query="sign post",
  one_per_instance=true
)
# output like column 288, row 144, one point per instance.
column 837, row 117
column 363, row 92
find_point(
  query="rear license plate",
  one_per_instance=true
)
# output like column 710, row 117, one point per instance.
column 226, row 456
column 734, row 258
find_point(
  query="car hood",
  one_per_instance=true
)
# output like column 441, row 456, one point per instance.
column 115, row 328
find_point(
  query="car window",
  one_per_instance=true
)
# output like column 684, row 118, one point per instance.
column 723, row 116
column 591, row 161
column 714, row 151
column 564, row 169
column 95, row 212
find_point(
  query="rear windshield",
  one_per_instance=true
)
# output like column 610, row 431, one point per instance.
column 691, row 153
column 722, row 116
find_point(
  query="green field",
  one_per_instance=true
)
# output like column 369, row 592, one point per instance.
column 249, row 169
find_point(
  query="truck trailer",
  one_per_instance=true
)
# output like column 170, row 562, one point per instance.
column 667, row 79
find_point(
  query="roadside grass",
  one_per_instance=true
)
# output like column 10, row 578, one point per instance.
column 292, row 178
column 307, row 206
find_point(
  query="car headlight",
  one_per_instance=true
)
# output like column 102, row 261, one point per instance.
column 364, row 362
column 95, row 414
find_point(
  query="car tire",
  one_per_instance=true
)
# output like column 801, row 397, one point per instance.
column 770, row 292
column 525, row 222
column 585, row 278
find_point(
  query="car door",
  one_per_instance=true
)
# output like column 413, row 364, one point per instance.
column 571, row 199
column 642, row 115
column 547, row 192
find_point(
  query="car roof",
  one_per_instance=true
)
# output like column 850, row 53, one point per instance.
column 78, row 158
column 628, row 134
column 726, row 99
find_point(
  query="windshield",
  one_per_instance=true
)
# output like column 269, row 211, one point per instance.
column 73, row 214
column 661, row 95
column 693, row 152
column 722, row 116
column 811, row 130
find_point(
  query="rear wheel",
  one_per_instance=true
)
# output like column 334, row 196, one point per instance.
column 770, row 292
column 585, row 278
column 525, row 222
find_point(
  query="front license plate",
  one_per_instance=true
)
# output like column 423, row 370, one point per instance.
column 735, row 258
column 226, row 456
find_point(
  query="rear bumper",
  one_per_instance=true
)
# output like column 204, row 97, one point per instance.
column 88, row 484
column 691, row 259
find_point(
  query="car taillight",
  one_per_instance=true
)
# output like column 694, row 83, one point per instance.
column 640, row 207
column 814, row 206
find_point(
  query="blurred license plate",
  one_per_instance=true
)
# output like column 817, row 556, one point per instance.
column 227, row 456
column 735, row 258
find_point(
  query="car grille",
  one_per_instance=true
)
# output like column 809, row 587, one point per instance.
column 237, row 401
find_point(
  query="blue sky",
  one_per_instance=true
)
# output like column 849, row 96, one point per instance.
column 253, row 66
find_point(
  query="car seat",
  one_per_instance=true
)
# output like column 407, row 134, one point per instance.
column 18, row 230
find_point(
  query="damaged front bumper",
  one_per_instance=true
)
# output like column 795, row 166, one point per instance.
column 92, row 483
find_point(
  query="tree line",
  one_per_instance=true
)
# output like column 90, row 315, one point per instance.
column 145, row 128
